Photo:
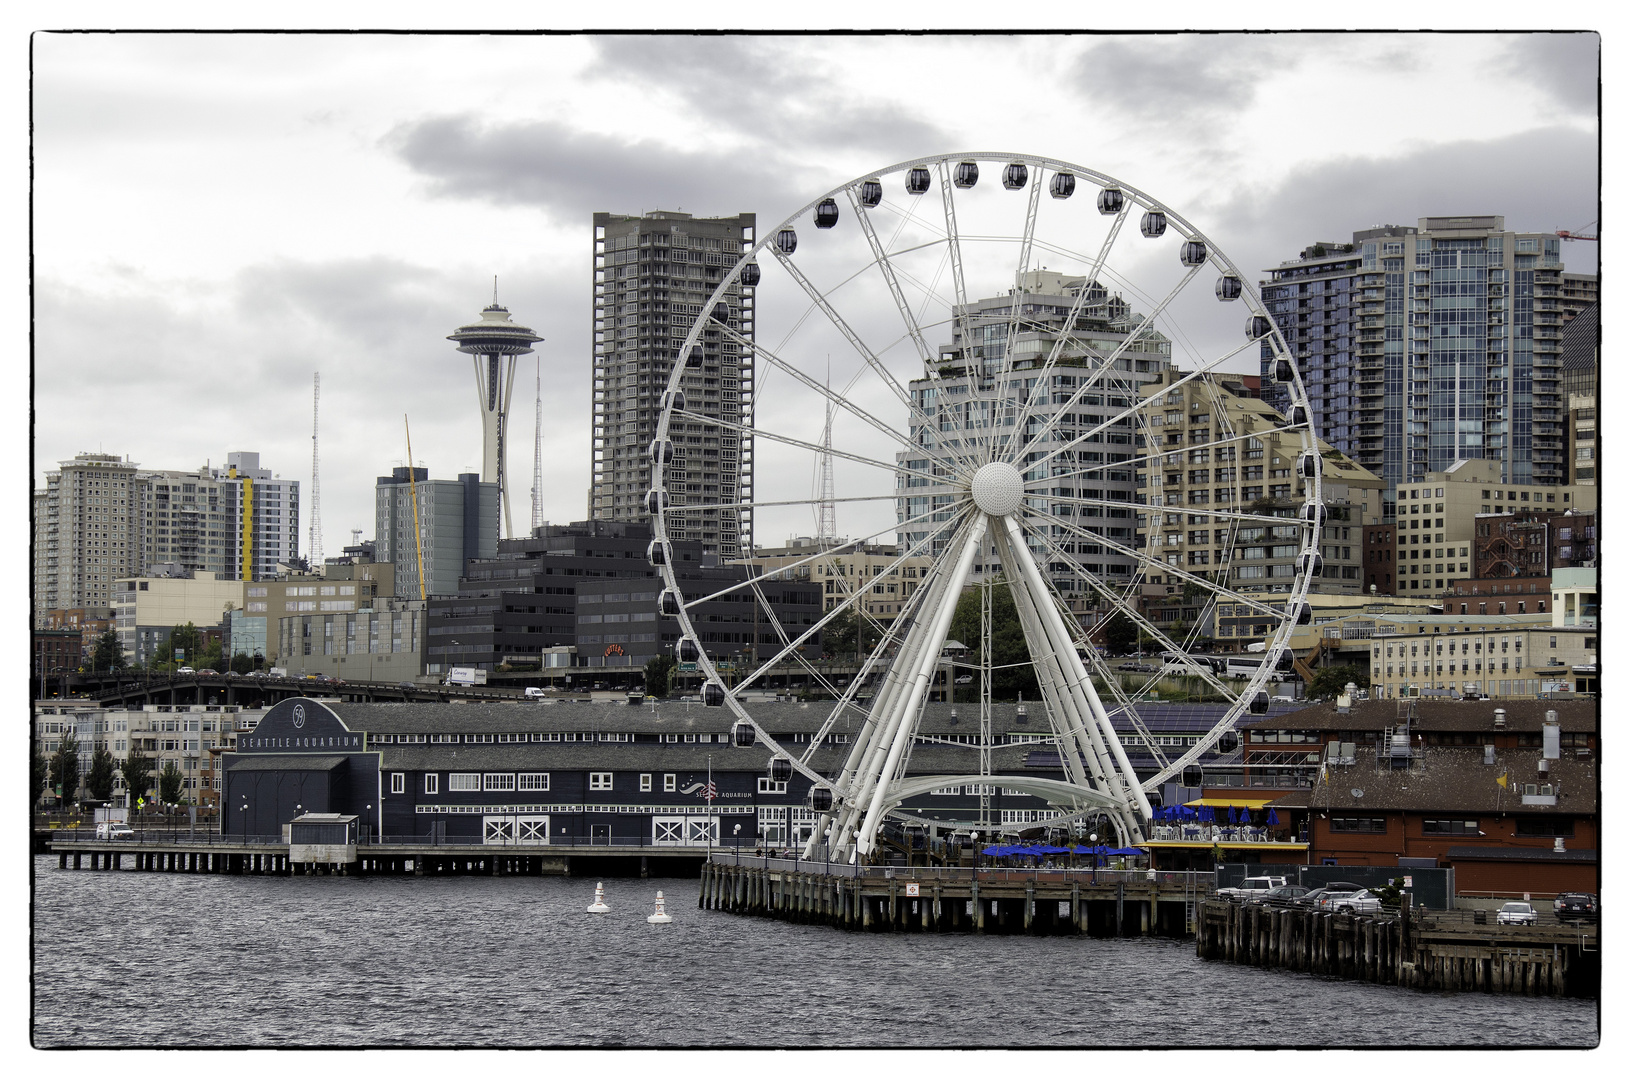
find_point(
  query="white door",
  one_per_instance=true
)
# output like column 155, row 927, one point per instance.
column 498, row 830
column 700, row 831
column 668, row 831
column 532, row 828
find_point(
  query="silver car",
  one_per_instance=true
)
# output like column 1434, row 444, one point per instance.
column 1358, row 902
column 1516, row 913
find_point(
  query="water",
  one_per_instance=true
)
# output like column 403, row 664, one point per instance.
column 171, row 960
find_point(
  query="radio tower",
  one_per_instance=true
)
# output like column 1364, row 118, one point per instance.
column 314, row 539
column 497, row 341
column 538, row 451
column 827, row 524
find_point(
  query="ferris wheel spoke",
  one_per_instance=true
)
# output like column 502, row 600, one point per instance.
column 1221, row 590
column 752, row 504
column 825, row 555
column 787, row 440
column 1067, row 332
column 1180, row 451
column 840, row 400
column 1231, row 515
column 954, row 252
column 866, row 354
column 838, row 609
column 1115, row 354
column 1137, row 409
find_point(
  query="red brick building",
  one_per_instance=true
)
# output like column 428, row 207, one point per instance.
column 1533, row 543
column 1388, row 780
column 1380, row 541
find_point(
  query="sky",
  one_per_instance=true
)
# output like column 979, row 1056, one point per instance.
column 216, row 217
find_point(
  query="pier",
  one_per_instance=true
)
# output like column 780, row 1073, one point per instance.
column 1425, row 950
column 214, row 854
column 1100, row 903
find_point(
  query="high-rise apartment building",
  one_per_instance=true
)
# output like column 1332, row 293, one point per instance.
column 653, row 274
column 455, row 521
column 1579, row 292
column 960, row 404
column 1580, row 353
column 1424, row 346
column 262, row 518
column 183, row 519
column 86, row 532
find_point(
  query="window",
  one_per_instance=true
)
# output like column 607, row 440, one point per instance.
column 464, row 781
column 399, row 783
column 532, row 781
column 1359, row 824
column 498, row 781
column 1441, row 827
column 645, row 781
column 1545, row 826
column 431, row 785
column 768, row 786
column 668, row 781
column 600, row 781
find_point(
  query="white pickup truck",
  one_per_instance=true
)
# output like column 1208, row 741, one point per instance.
column 1251, row 888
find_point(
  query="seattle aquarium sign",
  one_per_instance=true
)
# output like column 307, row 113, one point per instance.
column 301, row 724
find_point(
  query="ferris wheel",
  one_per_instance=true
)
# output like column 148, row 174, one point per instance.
column 982, row 366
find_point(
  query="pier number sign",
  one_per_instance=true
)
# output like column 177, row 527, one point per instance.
column 911, row 888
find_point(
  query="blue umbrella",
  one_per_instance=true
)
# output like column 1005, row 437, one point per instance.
column 994, row 849
column 1274, row 819
column 1232, row 819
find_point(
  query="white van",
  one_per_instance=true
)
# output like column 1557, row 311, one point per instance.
column 114, row 830
column 535, row 692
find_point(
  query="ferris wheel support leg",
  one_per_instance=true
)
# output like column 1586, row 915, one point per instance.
column 1065, row 650
column 931, row 635
column 1083, row 735
column 865, row 760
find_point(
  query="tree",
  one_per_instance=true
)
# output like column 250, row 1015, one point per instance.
column 242, row 664
column 107, row 654
column 1008, row 645
column 99, row 777
column 188, row 639
column 213, row 656
column 65, row 769
column 39, row 775
column 1120, row 633
column 1331, row 681
column 170, row 783
column 849, row 635
column 658, row 669
column 138, row 773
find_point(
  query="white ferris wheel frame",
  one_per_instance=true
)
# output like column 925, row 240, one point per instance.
column 1098, row 775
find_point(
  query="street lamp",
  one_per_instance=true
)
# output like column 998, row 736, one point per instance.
column 244, row 811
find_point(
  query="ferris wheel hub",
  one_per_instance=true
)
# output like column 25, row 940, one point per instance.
column 997, row 489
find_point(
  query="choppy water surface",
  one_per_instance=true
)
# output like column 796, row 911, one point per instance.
column 150, row 959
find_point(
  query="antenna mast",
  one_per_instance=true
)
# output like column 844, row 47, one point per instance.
column 827, row 523
column 538, row 451
column 314, row 538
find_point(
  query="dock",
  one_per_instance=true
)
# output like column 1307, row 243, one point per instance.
column 1100, row 903
column 1416, row 948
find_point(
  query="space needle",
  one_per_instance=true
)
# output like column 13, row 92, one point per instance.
column 497, row 341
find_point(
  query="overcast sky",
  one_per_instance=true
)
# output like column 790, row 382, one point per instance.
column 216, row 217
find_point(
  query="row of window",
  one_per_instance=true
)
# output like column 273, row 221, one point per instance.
column 1524, row 826
column 539, row 781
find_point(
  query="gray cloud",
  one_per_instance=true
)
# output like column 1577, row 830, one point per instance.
column 1184, row 81
column 771, row 90
column 1565, row 66
column 571, row 174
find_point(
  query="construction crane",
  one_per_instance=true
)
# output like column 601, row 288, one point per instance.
column 1581, row 235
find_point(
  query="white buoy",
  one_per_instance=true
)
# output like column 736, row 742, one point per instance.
column 599, row 906
column 660, row 916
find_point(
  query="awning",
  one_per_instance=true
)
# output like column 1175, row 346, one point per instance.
column 1248, row 804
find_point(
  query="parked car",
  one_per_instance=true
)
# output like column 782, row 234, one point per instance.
column 963, row 680
column 1281, row 896
column 1575, row 907
column 1251, row 888
column 1135, row 667
column 1515, row 913
column 1356, row 902
column 1312, row 899
column 114, row 830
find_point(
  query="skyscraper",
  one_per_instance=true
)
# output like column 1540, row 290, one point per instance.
column 1424, row 346
column 653, row 273
column 494, row 343
column 262, row 525
column 86, row 532
column 455, row 521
